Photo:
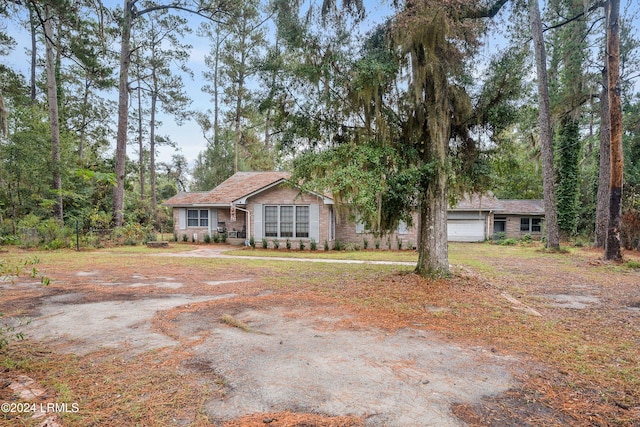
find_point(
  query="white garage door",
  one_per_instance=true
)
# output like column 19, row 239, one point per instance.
column 465, row 230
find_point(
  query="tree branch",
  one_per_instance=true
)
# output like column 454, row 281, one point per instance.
column 488, row 12
column 200, row 12
column 578, row 16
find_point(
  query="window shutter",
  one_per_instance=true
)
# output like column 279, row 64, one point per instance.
column 182, row 218
column 314, row 222
column 257, row 221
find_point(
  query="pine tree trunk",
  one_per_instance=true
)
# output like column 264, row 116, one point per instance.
column 123, row 114
column 152, row 153
column 54, row 122
column 140, row 138
column 216, row 107
column 612, row 249
column 551, row 213
column 34, row 54
column 602, row 208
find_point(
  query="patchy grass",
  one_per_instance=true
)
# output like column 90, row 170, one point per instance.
column 584, row 364
column 369, row 255
column 228, row 319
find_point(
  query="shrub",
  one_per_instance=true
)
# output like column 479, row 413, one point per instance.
column 207, row 238
column 326, row 245
column 376, row 243
column 365, row 244
column 276, row 243
column 313, row 245
column 185, row 238
column 223, row 237
column 288, row 244
column 301, row 245
column 216, row 238
column 527, row 238
column 132, row 233
column 265, row 244
column 252, row 242
column 9, row 240
column 399, row 240
column 194, row 237
column 633, row 264
column 508, row 242
column 337, row 246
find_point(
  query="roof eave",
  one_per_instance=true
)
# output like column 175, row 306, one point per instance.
column 243, row 200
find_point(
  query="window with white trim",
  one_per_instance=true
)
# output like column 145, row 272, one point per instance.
column 197, row 218
column 531, row 225
column 286, row 221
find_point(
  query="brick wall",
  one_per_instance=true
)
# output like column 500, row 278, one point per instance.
column 513, row 227
column 346, row 234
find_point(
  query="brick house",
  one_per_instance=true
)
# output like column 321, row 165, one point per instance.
column 258, row 204
column 266, row 205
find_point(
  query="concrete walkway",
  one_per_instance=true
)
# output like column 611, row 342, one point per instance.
column 218, row 252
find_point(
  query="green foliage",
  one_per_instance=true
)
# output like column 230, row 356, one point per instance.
column 568, row 171
column 326, row 245
column 185, row 238
column 288, row 244
column 633, row 264
column 337, row 245
column 313, row 245
column 365, row 243
column 301, row 245
column 376, row 243
column 223, row 237
column 508, row 242
column 276, row 243
column 134, row 233
column 265, row 243
column 216, row 238
column 12, row 270
column 207, row 238
column 399, row 242
column 516, row 170
column 252, row 242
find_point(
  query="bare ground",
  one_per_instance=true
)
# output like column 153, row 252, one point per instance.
column 242, row 350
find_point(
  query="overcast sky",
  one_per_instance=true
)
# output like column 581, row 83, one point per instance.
column 189, row 137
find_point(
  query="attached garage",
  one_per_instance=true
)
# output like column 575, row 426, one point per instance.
column 466, row 230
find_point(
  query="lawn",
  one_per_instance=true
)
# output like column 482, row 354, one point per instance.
column 368, row 255
column 571, row 320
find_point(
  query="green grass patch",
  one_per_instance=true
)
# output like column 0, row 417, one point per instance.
column 394, row 256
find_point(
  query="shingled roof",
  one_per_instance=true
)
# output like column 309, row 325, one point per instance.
column 523, row 207
column 504, row 207
column 476, row 202
column 239, row 185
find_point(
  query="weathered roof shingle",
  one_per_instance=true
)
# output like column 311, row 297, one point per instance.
column 236, row 187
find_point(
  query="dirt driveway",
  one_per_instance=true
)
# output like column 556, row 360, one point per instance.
column 272, row 356
column 275, row 354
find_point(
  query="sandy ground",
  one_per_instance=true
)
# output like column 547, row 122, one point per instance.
column 286, row 360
